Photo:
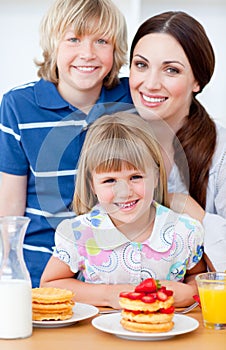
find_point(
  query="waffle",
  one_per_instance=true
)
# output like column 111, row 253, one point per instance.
column 149, row 308
column 52, row 304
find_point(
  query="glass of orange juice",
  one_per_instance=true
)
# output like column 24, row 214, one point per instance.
column 212, row 292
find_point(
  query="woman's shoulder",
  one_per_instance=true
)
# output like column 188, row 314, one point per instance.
column 219, row 155
column 177, row 219
column 221, row 134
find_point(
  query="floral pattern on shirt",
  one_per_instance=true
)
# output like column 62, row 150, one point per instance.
column 105, row 255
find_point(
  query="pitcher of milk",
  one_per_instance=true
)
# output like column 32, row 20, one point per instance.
column 15, row 283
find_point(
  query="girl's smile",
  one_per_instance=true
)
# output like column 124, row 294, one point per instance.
column 128, row 205
column 126, row 195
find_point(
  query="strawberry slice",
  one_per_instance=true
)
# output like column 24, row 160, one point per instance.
column 136, row 312
column 169, row 310
column 162, row 296
column 124, row 294
column 147, row 286
column 197, row 298
column 135, row 295
column 168, row 292
column 149, row 299
column 162, row 288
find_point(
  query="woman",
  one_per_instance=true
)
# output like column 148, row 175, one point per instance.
column 171, row 61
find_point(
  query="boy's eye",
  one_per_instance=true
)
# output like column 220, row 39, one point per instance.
column 73, row 40
column 102, row 41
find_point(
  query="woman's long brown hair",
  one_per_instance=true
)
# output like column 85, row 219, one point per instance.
column 198, row 134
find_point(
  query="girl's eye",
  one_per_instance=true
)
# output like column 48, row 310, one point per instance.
column 136, row 177
column 109, row 181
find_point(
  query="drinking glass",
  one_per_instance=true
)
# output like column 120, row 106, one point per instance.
column 212, row 292
column 15, row 282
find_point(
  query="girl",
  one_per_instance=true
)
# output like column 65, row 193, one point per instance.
column 43, row 123
column 171, row 62
column 124, row 232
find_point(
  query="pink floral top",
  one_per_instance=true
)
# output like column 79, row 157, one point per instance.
column 92, row 244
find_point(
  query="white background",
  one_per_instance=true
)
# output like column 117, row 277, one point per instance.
column 19, row 40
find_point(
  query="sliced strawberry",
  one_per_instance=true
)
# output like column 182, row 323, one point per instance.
column 168, row 292
column 147, row 286
column 162, row 296
column 169, row 310
column 197, row 298
column 149, row 299
column 162, row 289
column 124, row 294
column 135, row 296
column 153, row 294
column 136, row 312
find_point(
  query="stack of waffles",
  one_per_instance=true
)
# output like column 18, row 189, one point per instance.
column 52, row 304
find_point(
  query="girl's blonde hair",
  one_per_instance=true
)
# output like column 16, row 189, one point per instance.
column 85, row 17
column 113, row 141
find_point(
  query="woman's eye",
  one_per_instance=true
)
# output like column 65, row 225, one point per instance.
column 172, row 70
column 140, row 65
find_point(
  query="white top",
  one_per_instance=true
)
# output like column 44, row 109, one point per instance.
column 215, row 217
column 92, row 244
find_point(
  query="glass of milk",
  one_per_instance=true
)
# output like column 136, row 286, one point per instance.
column 15, row 283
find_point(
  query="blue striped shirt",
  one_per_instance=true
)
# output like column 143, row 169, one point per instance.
column 41, row 136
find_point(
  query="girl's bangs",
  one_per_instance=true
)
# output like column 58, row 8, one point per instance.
column 114, row 164
column 115, row 155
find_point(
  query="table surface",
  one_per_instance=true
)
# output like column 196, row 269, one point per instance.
column 85, row 335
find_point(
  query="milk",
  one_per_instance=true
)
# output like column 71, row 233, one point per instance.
column 15, row 309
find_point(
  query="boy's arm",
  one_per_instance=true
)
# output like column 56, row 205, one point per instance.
column 13, row 194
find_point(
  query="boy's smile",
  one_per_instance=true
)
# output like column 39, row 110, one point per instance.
column 83, row 63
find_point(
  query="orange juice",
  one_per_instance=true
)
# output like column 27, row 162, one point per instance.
column 213, row 302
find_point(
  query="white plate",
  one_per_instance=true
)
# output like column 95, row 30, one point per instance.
column 81, row 312
column 111, row 324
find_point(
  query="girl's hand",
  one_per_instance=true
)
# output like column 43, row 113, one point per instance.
column 183, row 292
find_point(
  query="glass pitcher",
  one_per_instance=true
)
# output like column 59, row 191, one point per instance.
column 15, row 283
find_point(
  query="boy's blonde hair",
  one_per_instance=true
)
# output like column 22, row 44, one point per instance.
column 112, row 141
column 85, row 17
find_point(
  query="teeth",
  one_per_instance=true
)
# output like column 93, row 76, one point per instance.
column 126, row 205
column 86, row 69
column 153, row 99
